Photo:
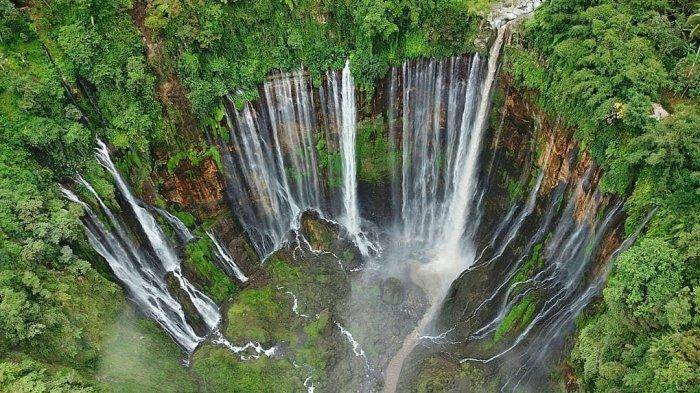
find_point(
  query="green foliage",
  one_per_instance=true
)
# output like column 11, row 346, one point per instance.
column 54, row 305
column 216, row 283
column 219, row 371
column 605, row 64
column 374, row 154
column 98, row 49
column 195, row 156
column 231, row 46
column 535, row 262
column 599, row 66
column 647, row 276
column 647, row 336
column 518, row 317
column 515, row 190
column 28, row 376
column 70, row 69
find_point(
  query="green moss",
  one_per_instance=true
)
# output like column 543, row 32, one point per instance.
column 285, row 274
column 374, row 154
column 315, row 352
column 195, row 155
column 535, row 262
column 220, row 371
column 515, row 191
column 330, row 162
column 519, row 316
column 440, row 375
column 185, row 217
column 215, row 281
column 260, row 315
column 327, row 240
column 265, row 315
column 314, row 329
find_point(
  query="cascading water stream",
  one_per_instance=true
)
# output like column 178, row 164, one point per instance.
column 144, row 282
column 158, row 241
column 561, row 322
column 183, row 233
column 272, row 168
column 226, row 259
column 451, row 252
column 343, row 113
column 142, row 273
column 348, row 133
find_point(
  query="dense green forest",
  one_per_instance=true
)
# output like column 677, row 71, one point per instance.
column 148, row 77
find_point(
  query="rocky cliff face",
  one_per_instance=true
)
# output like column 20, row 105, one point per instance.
column 544, row 236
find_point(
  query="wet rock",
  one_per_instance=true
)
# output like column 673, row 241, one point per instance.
column 392, row 291
column 327, row 236
column 507, row 12
column 191, row 315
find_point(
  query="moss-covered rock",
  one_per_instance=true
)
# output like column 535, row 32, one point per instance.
column 392, row 291
column 200, row 264
column 192, row 316
column 219, row 370
column 437, row 374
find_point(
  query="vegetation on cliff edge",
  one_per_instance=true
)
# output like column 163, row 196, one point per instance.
column 599, row 66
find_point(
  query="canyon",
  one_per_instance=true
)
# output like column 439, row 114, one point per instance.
column 482, row 229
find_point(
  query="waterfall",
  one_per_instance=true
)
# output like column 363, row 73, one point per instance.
column 259, row 189
column 344, row 113
column 289, row 105
column 444, row 119
column 272, row 172
column 226, row 259
column 144, row 274
column 158, row 241
column 439, row 174
column 348, row 133
column 272, row 168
